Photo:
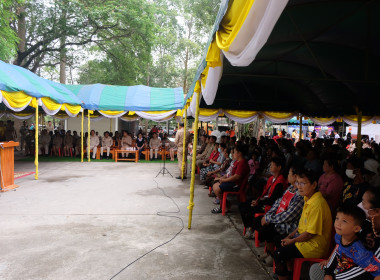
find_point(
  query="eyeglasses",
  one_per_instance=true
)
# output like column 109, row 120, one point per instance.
column 301, row 184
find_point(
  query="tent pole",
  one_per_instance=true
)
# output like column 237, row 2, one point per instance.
column 193, row 162
column 184, row 146
column 81, row 138
column 88, row 137
column 359, row 138
column 36, row 150
column 300, row 137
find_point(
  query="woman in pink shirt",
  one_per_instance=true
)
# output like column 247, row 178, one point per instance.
column 331, row 184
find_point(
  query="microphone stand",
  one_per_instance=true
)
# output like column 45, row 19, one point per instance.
column 163, row 169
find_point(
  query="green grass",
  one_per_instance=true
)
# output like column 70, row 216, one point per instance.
column 77, row 159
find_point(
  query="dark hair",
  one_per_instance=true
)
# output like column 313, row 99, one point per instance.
column 242, row 148
column 375, row 199
column 356, row 162
column 213, row 137
column 223, row 145
column 332, row 161
column 278, row 161
column 181, row 124
column 309, row 174
column 354, row 212
column 229, row 150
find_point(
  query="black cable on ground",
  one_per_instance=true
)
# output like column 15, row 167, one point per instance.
column 161, row 214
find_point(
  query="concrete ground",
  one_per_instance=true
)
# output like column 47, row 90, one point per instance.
column 90, row 220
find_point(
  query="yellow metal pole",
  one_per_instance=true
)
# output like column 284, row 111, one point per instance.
column 81, row 138
column 300, row 137
column 359, row 138
column 195, row 143
column 88, row 137
column 36, row 150
column 184, row 146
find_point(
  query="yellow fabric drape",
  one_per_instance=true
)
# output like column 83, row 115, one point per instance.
column 208, row 112
column 16, row 100
column 241, row 114
column 50, row 104
column 355, row 118
column 324, row 120
column 112, row 113
column 73, row 109
column 232, row 22
column 277, row 115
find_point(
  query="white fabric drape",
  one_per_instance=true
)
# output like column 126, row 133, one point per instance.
column 95, row 119
column 209, row 118
column 15, row 109
column 71, row 114
column 354, row 123
column 212, row 83
column 275, row 120
column 255, row 31
column 10, row 114
column 112, row 116
column 156, row 117
column 241, row 120
column 323, row 123
column 50, row 112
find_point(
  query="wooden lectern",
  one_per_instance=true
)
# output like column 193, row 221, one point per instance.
column 7, row 159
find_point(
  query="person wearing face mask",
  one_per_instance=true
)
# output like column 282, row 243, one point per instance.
column 213, row 164
column 355, row 186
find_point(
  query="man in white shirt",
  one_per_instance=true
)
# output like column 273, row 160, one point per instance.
column 107, row 143
column 43, row 142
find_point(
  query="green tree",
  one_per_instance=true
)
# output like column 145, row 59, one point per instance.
column 8, row 36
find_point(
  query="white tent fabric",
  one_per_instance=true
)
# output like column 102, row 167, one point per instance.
column 241, row 120
column 212, row 83
column 157, row 117
column 255, row 31
column 112, row 116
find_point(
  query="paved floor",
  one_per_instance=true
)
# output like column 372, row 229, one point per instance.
column 88, row 221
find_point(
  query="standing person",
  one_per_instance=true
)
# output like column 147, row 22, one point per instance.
column 179, row 143
column 106, row 144
column 23, row 132
column 94, row 143
column 49, row 127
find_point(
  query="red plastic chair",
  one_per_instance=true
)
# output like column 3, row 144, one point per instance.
column 297, row 265
column 240, row 194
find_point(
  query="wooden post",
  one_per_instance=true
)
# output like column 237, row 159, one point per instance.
column 359, row 138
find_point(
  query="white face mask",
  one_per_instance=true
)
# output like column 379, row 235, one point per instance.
column 350, row 173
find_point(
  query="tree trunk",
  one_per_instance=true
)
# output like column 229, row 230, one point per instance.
column 190, row 26
column 21, row 31
column 62, row 54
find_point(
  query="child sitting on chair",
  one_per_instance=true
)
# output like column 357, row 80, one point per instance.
column 350, row 258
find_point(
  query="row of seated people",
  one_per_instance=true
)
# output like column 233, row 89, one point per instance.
column 293, row 216
column 65, row 144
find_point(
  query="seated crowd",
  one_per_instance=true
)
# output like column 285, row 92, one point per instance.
column 292, row 195
column 64, row 143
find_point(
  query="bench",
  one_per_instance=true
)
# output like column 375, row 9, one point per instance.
column 117, row 152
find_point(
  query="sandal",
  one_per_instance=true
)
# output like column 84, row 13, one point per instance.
column 216, row 210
